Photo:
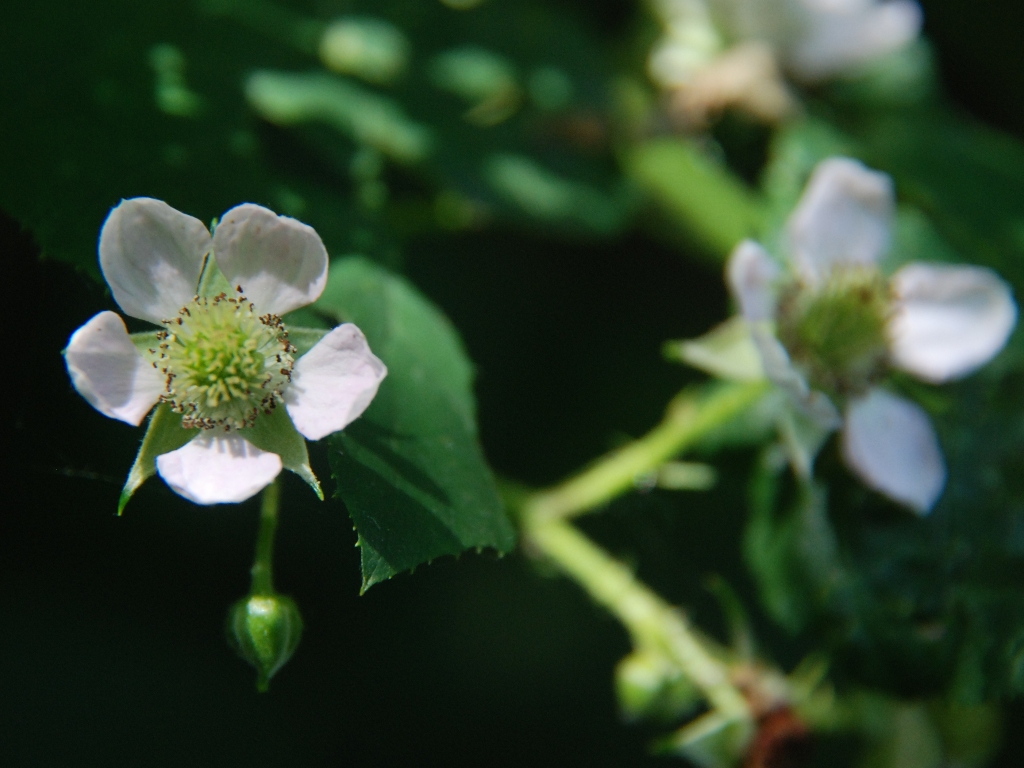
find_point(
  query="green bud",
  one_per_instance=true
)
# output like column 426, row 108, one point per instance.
column 265, row 631
column 649, row 685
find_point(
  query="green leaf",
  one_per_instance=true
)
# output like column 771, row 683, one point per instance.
column 411, row 471
column 163, row 435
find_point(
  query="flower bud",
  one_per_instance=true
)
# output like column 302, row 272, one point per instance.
column 649, row 685
column 265, row 631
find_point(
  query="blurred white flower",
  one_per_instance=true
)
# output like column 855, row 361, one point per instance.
column 719, row 53
column 830, row 329
column 222, row 361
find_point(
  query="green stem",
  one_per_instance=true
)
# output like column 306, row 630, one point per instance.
column 651, row 621
column 712, row 204
column 262, row 567
column 689, row 417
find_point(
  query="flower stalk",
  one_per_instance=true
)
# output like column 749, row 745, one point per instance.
column 262, row 566
column 264, row 627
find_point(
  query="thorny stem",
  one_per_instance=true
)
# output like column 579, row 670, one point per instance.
column 650, row 620
column 262, row 567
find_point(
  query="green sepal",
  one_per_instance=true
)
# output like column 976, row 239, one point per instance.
column 163, row 435
column 307, row 319
column 713, row 740
column 147, row 343
column 212, row 281
column 274, row 432
column 741, row 635
column 727, row 351
column 304, row 339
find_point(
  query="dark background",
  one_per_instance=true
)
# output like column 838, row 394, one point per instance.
column 111, row 648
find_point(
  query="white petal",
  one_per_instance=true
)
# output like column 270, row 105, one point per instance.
column 108, row 371
column 889, row 442
column 840, row 36
column 950, row 319
column 280, row 263
column 218, row 468
column 333, row 383
column 751, row 274
column 151, row 256
column 843, row 218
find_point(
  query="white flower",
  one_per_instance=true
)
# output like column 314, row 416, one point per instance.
column 829, row 331
column 819, row 39
column 717, row 53
column 223, row 362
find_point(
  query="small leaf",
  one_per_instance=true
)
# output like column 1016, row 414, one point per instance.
column 164, row 434
column 410, row 470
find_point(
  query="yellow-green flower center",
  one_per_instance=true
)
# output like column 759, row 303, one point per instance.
column 838, row 332
column 224, row 363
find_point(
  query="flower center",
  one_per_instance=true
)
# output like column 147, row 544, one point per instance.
column 224, row 364
column 838, row 333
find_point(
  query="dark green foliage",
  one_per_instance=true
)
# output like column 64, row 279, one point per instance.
column 903, row 606
column 88, row 130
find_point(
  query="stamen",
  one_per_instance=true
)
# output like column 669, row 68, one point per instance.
column 224, row 365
